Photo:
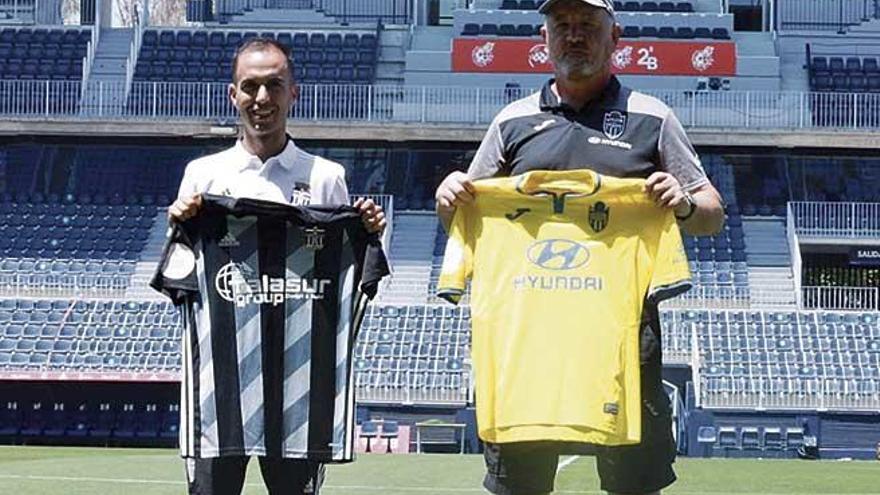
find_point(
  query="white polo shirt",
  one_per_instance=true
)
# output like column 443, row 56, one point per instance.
column 293, row 177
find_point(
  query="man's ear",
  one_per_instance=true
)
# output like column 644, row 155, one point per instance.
column 544, row 32
column 616, row 33
column 232, row 90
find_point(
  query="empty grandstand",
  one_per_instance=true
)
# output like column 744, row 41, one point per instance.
column 777, row 347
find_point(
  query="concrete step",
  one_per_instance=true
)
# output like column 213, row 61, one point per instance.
column 282, row 17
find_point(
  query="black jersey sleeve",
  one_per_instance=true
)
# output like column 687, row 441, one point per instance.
column 176, row 274
column 375, row 266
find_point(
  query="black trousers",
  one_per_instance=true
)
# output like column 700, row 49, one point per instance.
column 225, row 475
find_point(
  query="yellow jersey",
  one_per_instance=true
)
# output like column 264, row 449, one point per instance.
column 560, row 266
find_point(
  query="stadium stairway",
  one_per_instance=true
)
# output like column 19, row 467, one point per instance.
column 770, row 272
column 139, row 288
column 412, row 248
column 109, row 67
column 392, row 56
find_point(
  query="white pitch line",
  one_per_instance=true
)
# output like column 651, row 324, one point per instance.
column 565, row 463
column 387, row 489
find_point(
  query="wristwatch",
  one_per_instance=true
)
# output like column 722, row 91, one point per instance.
column 692, row 207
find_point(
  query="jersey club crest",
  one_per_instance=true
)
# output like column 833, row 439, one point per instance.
column 314, row 238
column 614, row 124
column 599, row 216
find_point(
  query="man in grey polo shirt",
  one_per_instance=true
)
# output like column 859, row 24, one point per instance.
column 584, row 118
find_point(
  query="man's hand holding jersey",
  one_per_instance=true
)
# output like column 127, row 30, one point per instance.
column 455, row 190
column 700, row 211
column 184, row 208
column 372, row 214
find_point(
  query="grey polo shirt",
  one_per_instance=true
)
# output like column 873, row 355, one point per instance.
column 621, row 133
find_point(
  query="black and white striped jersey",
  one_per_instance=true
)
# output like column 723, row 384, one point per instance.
column 272, row 296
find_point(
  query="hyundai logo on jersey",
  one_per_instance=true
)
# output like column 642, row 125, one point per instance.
column 558, row 254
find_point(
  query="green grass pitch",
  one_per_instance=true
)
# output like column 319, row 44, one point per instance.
column 100, row 471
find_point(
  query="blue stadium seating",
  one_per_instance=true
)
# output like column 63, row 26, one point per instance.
column 844, row 74
column 24, row 53
column 197, row 55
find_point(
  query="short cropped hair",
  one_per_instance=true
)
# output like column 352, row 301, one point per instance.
column 260, row 43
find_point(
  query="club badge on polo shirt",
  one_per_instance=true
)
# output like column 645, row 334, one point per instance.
column 301, row 194
column 613, row 128
column 614, row 124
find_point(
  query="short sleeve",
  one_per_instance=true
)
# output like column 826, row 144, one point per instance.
column 338, row 194
column 458, row 257
column 489, row 158
column 677, row 155
column 672, row 275
column 188, row 186
column 375, row 267
column 176, row 274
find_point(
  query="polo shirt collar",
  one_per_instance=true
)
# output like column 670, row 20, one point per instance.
column 287, row 157
column 552, row 103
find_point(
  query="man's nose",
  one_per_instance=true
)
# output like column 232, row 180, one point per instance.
column 575, row 33
column 262, row 93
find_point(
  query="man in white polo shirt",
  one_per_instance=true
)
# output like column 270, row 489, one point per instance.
column 264, row 164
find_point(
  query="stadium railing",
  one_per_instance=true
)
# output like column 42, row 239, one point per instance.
column 134, row 50
column 18, row 11
column 414, row 390
column 842, row 298
column 821, row 15
column 831, row 219
column 200, row 102
column 794, row 249
column 386, row 11
column 82, row 286
column 92, row 47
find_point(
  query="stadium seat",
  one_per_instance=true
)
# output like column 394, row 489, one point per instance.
column 750, row 438
column 369, row 430
column 853, row 66
column 720, row 34
column 794, row 437
column 389, row 433
column 488, row 29
column 507, row 30
column 526, row 30
column 728, row 437
column 684, row 33
column 317, row 40
column 649, row 32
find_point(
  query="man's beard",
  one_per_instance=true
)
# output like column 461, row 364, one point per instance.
column 578, row 67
